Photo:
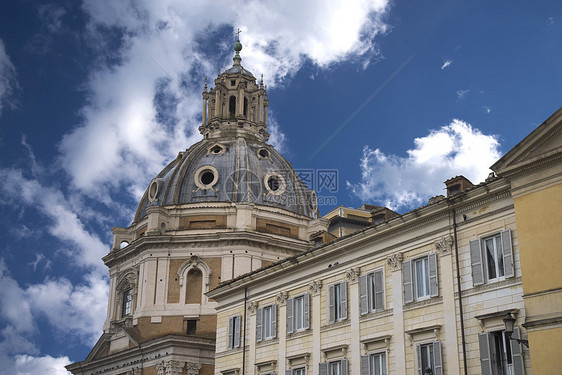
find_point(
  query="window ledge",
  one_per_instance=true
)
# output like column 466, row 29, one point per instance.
column 489, row 286
column 424, row 302
column 267, row 342
column 335, row 325
column 375, row 315
column 298, row 334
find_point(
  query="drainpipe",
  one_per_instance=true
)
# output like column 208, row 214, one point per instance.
column 244, row 340
column 459, row 291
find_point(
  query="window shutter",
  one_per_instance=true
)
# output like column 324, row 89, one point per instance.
column 379, row 290
column 418, row 351
column 288, row 372
column 407, row 280
column 364, row 365
column 363, row 295
column 485, row 354
column 323, row 368
column 344, row 367
column 331, row 309
column 507, row 251
column 290, row 313
column 306, row 317
column 237, row 320
column 433, row 281
column 259, row 329
column 230, row 332
column 437, row 360
column 517, row 353
column 476, row 263
column 274, row 320
column 343, row 291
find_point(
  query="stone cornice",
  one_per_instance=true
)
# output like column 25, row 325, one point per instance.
column 201, row 241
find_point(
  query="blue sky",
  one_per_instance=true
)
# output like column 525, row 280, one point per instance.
column 97, row 96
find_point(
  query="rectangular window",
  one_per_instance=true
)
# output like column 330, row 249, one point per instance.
column 334, row 368
column 421, row 269
column 500, row 356
column 419, row 277
column 299, row 371
column 337, row 302
column 377, row 364
column 127, row 303
column 429, row 358
column 371, row 292
column 266, row 322
column 491, row 258
column 234, row 331
column 299, row 313
column 191, row 327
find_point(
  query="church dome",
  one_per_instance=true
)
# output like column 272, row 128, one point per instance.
column 230, row 170
column 232, row 163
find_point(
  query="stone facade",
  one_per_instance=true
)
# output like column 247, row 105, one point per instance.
column 402, row 325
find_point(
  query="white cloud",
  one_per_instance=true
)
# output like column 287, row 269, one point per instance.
column 77, row 310
column 462, row 93
column 123, row 142
column 405, row 182
column 446, row 64
column 65, row 223
column 29, row 365
column 8, row 82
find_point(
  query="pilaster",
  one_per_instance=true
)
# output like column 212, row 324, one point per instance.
column 395, row 264
column 315, row 289
column 352, row 275
column 282, row 331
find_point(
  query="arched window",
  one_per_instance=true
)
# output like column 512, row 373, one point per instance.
column 232, row 106
column 194, row 276
column 126, row 293
column 126, row 308
column 194, row 282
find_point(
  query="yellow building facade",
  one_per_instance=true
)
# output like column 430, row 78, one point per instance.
column 534, row 170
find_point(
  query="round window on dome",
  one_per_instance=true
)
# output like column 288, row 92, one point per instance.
column 206, row 177
column 263, row 153
column 274, row 183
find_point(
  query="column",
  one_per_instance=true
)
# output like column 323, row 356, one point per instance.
column 398, row 351
column 240, row 110
column 260, row 107
column 204, row 122
column 352, row 275
column 218, row 103
column 315, row 288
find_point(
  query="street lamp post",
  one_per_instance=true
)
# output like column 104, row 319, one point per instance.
column 509, row 322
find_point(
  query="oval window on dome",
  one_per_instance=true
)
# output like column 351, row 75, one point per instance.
column 206, row 177
column 153, row 190
column 274, row 183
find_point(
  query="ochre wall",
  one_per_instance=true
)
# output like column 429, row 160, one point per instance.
column 539, row 225
column 545, row 351
column 206, row 326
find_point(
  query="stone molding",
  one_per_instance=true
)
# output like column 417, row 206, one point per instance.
column 135, row 371
column 252, row 307
column 395, row 261
column 282, row 297
column 352, row 274
column 315, row 287
column 170, row 367
column 193, row 368
column 444, row 245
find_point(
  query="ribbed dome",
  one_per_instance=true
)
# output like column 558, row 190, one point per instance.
column 230, row 170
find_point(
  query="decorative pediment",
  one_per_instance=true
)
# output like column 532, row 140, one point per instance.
column 100, row 349
column 542, row 146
